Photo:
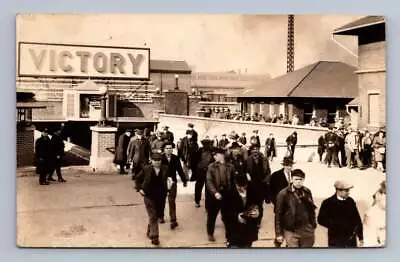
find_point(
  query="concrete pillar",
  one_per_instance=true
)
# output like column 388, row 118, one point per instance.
column 271, row 110
column 262, row 111
column 103, row 139
column 252, row 108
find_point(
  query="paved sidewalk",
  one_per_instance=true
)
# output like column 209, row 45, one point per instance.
column 105, row 210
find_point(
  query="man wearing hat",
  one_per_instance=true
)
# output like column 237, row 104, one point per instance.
column 243, row 214
column 43, row 156
column 243, row 139
column 270, row 147
column 168, row 135
column 255, row 138
column 291, row 142
column 339, row 214
column 152, row 184
column 189, row 154
column 206, row 158
column 158, row 144
column 295, row 213
column 280, row 179
column 223, row 142
column 218, row 187
column 194, row 133
column 121, row 156
column 57, row 153
column 138, row 152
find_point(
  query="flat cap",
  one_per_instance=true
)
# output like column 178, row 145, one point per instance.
column 341, row 184
column 298, row 173
column 190, row 125
column 156, row 156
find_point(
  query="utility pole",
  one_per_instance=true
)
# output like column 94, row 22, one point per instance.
column 290, row 44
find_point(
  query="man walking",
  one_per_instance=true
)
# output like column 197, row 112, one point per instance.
column 339, row 214
column 206, row 158
column 57, row 152
column 121, row 154
column 138, row 152
column 291, row 142
column 43, row 156
column 151, row 183
column 295, row 213
column 173, row 164
column 270, row 147
column 280, row 179
column 218, row 186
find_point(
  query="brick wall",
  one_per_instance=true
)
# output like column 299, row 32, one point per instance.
column 176, row 102
column 372, row 56
column 53, row 110
column 105, row 140
column 25, row 146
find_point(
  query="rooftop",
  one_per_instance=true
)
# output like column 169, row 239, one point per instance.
column 169, row 66
column 366, row 21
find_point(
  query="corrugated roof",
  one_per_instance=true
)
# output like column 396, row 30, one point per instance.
column 169, row 66
column 362, row 22
column 321, row 79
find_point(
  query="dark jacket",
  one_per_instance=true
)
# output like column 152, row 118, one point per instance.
column 243, row 140
column 342, row 220
column 256, row 138
column 238, row 233
column 157, row 145
column 174, row 166
column 121, row 154
column 139, row 151
column 270, row 146
column 277, row 182
column 147, row 180
column 286, row 210
column 217, row 181
column 206, row 158
column 43, row 154
column 169, row 136
column 189, row 152
column 291, row 140
column 259, row 171
column 239, row 164
column 223, row 143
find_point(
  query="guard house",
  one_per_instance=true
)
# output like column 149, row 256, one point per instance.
column 319, row 90
column 371, row 71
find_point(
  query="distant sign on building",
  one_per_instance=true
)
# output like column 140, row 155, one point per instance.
column 61, row 60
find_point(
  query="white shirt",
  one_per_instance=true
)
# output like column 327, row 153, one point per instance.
column 157, row 170
column 287, row 175
column 340, row 198
column 243, row 195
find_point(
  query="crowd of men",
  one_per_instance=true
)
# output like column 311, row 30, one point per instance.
column 353, row 148
column 238, row 181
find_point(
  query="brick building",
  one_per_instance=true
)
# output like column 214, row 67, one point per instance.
column 319, row 90
column 371, row 71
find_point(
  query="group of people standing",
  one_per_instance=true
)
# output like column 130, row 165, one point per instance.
column 238, row 181
column 49, row 152
column 356, row 148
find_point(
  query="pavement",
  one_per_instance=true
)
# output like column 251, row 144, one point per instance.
column 104, row 210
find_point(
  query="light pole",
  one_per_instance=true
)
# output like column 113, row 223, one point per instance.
column 176, row 82
column 103, row 117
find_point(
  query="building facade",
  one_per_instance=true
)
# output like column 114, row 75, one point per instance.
column 371, row 71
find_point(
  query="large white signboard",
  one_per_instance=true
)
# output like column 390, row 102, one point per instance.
column 60, row 60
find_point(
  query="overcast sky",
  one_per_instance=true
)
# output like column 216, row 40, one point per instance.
column 207, row 42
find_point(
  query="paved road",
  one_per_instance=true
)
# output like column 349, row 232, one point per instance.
column 105, row 211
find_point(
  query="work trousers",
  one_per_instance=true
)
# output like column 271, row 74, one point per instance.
column 56, row 166
column 153, row 208
column 200, row 181
column 171, row 203
column 300, row 237
column 213, row 206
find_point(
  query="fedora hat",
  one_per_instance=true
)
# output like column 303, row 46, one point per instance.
column 287, row 161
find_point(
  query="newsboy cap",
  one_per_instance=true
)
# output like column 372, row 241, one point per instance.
column 190, row 125
column 341, row 184
column 298, row 173
column 156, row 156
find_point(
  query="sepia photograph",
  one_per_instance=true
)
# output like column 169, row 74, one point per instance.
column 200, row 130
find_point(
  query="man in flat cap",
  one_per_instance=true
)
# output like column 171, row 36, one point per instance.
column 139, row 150
column 189, row 150
column 152, row 184
column 339, row 214
column 158, row 144
column 255, row 138
column 223, row 142
column 168, row 135
column 218, row 187
column 295, row 213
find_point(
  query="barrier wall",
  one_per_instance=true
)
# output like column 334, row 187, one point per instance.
column 307, row 136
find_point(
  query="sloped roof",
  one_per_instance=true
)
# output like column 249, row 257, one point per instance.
column 360, row 23
column 169, row 66
column 321, row 79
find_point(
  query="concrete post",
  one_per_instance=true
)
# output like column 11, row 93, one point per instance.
column 103, row 140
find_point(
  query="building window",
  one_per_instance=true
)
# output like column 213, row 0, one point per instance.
column 373, row 109
column 308, row 113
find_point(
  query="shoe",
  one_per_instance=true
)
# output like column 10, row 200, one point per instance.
column 197, row 205
column 161, row 220
column 155, row 241
column 51, row 179
column 62, row 180
column 44, row 183
column 211, row 238
column 174, row 225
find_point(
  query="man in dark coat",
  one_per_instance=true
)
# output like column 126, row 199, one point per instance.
column 331, row 147
column 43, row 156
column 206, row 158
column 291, row 142
column 157, row 144
column 258, row 171
column 174, row 166
column 339, row 214
column 57, row 153
column 189, row 154
column 194, row 133
column 218, row 187
column 168, row 135
column 280, row 179
column 270, row 147
column 243, row 214
column 138, row 152
column 243, row 139
column 341, row 147
column 152, row 184
column 223, row 142
column 255, row 138
column 121, row 154
column 295, row 213
column 321, row 147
